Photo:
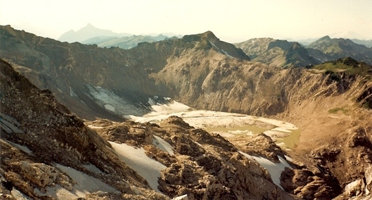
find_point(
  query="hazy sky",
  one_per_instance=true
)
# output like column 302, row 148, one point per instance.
column 230, row 20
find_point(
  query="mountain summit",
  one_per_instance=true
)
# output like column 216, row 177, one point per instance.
column 327, row 48
column 87, row 32
column 277, row 52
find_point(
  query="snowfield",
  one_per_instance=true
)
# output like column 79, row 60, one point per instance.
column 274, row 169
column 137, row 160
column 224, row 123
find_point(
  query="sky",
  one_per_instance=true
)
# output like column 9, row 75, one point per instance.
column 230, row 20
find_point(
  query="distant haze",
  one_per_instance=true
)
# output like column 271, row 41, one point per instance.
column 233, row 20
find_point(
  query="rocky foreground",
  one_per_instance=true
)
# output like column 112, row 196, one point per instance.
column 49, row 153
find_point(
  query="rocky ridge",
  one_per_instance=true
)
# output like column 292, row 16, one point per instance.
column 278, row 53
column 326, row 49
column 326, row 105
column 101, row 82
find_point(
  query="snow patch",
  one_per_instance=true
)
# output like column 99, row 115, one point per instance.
column 94, row 127
column 236, row 132
column 273, row 133
column 280, row 125
column 183, row 197
column 163, row 145
column 58, row 192
column 136, row 159
column 21, row 147
column 85, row 183
column 224, row 123
column 9, row 124
column 19, row 195
column 92, row 168
column 227, row 54
column 112, row 102
column 109, row 107
column 151, row 102
column 288, row 158
column 220, row 50
column 274, row 169
column 72, row 93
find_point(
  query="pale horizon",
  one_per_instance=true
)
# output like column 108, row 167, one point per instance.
column 235, row 21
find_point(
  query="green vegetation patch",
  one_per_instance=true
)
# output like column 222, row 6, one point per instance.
column 291, row 140
column 347, row 65
column 255, row 129
column 336, row 110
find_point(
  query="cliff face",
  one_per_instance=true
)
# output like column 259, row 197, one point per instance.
column 85, row 77
column 200, row 70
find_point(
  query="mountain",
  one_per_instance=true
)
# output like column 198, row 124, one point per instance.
column 101, row 82
column 331, row 104
column 367, row 43
column 285, row 54
column 332, row 49
column 49, row 153
column 123, row 42
column 87, row 32
column 277, row 52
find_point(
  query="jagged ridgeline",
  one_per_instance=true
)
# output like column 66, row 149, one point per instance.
column 82, row 76
column 329, row 98
column 200, row 70
column 283, row 53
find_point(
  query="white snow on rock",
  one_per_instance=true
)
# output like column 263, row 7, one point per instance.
column 151, row 102
column 272, row 133
column 224, row 123
column 136, row 159
column 109, row 107
column 94, row 127
column 280, row 125
column 112, row 102
column 182, row 197
column 58, row 192
column 162, row 144
column 92, row 168
column 274, row 169
column 20, row 147
column 72, row 93
column 84, row 184
column 19, row 195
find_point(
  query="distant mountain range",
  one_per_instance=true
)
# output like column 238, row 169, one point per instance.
column 367, row 43
column 106, row 38
column 326, row 49
column 88, row 32
column 125, row 42
column 284, row 53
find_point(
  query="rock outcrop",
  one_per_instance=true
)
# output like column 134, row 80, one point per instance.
column 46, row 151
column 203, row 165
